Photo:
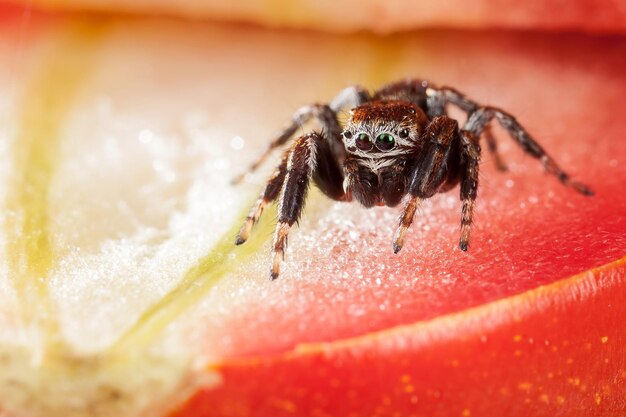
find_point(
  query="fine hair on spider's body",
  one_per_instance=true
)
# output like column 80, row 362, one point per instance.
column 397, row 142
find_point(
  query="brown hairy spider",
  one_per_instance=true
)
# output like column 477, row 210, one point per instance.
column 398, row 141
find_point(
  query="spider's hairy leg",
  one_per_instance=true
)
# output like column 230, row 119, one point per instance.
column 405, row 222
column 300, row 117
column 479, row 118
column 269, row 194
column 477, row 121
column 492, row 146
column 439, row 97
column 470, row 157
column 326, row 115
column 429, row 172
column 349, row 97
column 301, row 164
column 447, row 95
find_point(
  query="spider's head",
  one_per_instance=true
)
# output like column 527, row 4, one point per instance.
column 384, row 128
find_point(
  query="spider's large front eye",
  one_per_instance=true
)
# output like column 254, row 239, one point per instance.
column 385, row 141
column 363, row 142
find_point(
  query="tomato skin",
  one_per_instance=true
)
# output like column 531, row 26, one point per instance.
column 558, row 349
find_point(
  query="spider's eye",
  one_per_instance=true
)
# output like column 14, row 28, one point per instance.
column 404, row 133
column 385, row 141
column 347, row 134
column 363, row 142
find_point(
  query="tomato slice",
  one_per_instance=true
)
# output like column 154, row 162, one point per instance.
column 122, row 136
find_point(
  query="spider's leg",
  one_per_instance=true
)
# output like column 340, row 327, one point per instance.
column 478, row 120
column 269, row 194
column 492, row 146
column 328, row 174
column 300, row 117
column 405, row 222
column 301, row 165
column 430, row 173
column 470, row 158
column 447, row 95
column 349, row 97
column 326, row 114
column 438, row 98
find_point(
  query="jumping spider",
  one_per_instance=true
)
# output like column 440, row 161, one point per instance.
column 397, row 141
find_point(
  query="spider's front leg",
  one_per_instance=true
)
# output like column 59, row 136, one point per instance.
column 269, row 194
column 326, row 114
column 328, row 175
column 430, row 171
column 300, row 117
column 310, row 157
column 301, row 164
column 470, row 159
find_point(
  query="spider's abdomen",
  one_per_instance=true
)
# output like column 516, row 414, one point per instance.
column 413, row 91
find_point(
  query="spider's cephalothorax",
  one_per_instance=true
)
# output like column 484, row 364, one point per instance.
column 397, row 142
column 380, row 139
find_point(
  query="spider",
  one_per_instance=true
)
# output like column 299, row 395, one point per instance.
column 397, row 142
